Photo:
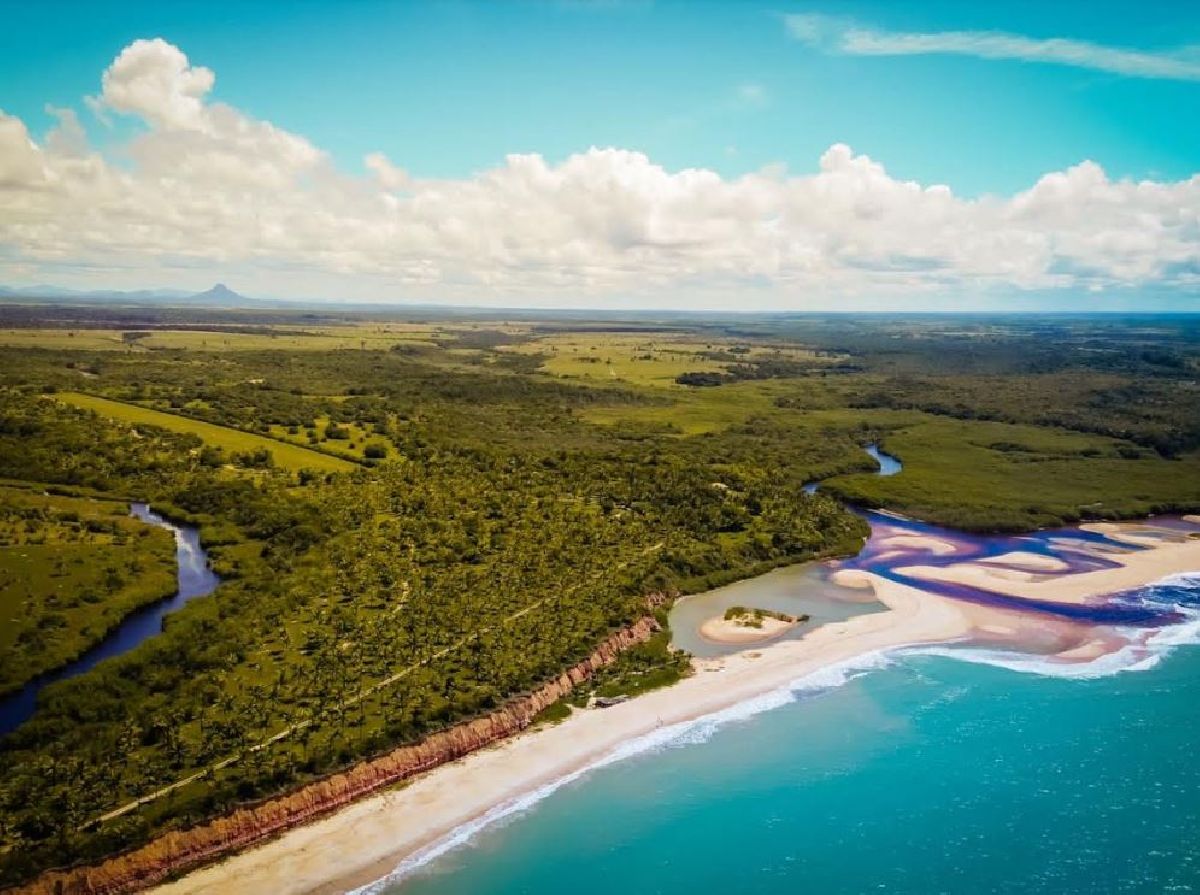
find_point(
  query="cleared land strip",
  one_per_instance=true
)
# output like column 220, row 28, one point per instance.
column 351, row 701
column 287, row 456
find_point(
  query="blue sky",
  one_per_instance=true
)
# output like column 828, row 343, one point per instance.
column 448, row 90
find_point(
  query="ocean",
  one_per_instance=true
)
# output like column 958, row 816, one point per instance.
column 960, row 771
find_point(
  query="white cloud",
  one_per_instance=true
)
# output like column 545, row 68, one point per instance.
column 204, row 186
column 153, row 79
column 843, row 36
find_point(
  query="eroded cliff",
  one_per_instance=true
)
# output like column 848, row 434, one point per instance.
column 179, row 851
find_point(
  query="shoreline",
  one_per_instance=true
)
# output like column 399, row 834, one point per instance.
column 367, row 840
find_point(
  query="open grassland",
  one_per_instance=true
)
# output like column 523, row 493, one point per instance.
column 324, row 338
column 695, row 411
column 648, row 359
column 653, row 359
column 286, row 456
column 68, row 340
column 70, row 570
column 317, row 339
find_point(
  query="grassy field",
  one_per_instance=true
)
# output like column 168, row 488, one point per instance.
column 70, row 570
column 649, row 359
column 694, row 411
column 638, row 359
column 286, row 456
column 285, row 339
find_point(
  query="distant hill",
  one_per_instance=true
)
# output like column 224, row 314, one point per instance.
column 221, row 295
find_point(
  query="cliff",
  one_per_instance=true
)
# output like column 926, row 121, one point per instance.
column 179, row 851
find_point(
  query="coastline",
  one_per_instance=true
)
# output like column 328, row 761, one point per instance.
column 367, row 840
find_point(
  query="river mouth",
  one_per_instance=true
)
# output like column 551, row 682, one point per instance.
column 805, row 589
column 194, row 579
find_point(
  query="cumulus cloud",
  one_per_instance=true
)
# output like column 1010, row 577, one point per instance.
column 153, row 79
column 843, row 36
column 204, row 185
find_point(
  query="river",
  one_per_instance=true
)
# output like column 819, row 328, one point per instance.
column 194, row 579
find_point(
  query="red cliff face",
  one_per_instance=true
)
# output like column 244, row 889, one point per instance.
column 183, row 850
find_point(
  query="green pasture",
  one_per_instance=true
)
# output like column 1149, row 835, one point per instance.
column 287, row 456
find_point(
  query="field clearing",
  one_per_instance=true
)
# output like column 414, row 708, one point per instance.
column 650, row 359
column 697, row 410
column 374, row 337
column 286, row 456
column 323, row 339
column 64, row 340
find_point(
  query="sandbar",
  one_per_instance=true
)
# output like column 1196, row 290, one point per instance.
column 722, row 630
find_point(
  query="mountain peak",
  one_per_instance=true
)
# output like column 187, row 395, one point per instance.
column 219, row 292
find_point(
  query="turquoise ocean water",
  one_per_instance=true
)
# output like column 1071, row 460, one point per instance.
column 909, row 773
column 930, row 775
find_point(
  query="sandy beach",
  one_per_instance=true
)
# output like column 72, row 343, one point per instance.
column 365, row 841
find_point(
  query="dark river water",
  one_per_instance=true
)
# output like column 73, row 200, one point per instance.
column 195, row 579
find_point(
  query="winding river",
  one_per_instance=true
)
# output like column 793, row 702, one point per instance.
column 194, row 579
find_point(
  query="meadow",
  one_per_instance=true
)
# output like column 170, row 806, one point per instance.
column 348, row 338
column 231, row 441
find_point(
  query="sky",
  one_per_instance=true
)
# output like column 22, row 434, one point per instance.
column 737, row 156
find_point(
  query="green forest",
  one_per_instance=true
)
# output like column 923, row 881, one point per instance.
column 413, row 525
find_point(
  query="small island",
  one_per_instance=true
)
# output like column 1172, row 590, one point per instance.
column 740, row 624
